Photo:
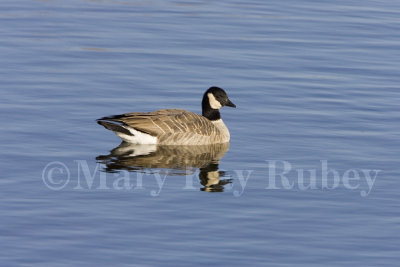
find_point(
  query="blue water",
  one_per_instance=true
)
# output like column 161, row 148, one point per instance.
column 315, row 82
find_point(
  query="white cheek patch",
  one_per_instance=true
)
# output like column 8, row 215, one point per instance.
column 214, row 103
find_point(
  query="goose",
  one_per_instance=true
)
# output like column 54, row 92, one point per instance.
column 174, row 126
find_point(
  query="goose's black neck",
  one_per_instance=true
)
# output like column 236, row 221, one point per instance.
column 207, row 111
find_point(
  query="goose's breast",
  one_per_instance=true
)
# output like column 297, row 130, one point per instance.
column 224, row 134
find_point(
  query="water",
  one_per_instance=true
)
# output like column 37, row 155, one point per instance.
column 316, row 86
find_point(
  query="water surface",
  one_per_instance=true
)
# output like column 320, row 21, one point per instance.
column 314, row 83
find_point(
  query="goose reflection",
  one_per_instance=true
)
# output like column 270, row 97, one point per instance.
column 170, row 160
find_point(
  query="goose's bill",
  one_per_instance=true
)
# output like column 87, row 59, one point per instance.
column 230, row 104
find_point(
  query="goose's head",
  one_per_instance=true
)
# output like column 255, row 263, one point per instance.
column 214, row 99
column 217, row 98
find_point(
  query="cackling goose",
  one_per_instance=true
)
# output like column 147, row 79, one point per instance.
column 174, row 126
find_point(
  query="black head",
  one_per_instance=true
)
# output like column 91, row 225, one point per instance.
column 214, row 99
column 217, row 98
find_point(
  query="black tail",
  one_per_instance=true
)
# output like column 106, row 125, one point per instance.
column 114, row 127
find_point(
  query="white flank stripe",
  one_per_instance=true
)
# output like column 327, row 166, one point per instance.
column 138, row 137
